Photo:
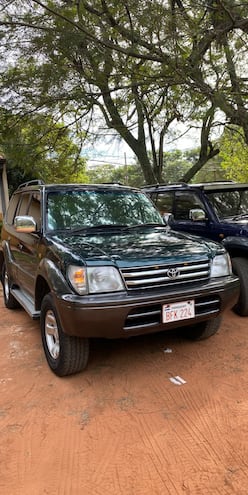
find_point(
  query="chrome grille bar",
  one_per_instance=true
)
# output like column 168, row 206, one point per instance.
column 163, row 271
column 157, row 275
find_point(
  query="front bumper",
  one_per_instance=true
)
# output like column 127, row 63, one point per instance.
column 122, row 315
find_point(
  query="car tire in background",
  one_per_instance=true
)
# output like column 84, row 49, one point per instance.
column 202, row 330
column 240, row 268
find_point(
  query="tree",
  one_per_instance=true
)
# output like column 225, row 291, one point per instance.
column 38, row 147
column 143, row 66
column 123, row 174
column 175, row 165
column 234, row 154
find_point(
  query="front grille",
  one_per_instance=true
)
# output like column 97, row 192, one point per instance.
column 167, row 274
column 151, row 315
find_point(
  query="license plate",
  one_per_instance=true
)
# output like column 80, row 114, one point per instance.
column 178, row 311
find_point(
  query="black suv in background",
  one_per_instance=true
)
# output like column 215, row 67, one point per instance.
column 98, row 261
column 218, row 211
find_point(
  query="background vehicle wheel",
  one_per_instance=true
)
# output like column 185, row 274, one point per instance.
column 240, row 268
column 65, row 354
column 202, row 330
column 9, row 300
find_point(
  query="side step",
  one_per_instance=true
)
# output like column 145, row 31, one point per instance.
column 26, row 302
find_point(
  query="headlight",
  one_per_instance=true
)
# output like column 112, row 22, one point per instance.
column 104, row 279
column 221, row 266
column 77, row 277
column 95, row 279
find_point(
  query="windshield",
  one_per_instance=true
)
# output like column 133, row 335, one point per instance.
column 91, row 208
column 229, row 204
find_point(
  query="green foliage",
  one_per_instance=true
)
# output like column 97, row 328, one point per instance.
column 175, row 165
column 38, row 147
column 130, row 175
column 135, row 68
column 211, row 172
column 177, row 162
column 234, row 154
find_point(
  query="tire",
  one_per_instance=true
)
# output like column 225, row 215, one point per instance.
column 65, row 354
column 203, row 330
column 9, row 300
column 240, row 268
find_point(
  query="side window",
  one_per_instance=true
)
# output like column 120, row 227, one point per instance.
column 23, row 204
column 185, row 201
column 34, row 209
column 11, row 212
column 164, row 202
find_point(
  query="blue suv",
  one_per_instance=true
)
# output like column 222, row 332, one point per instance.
column 217, row 211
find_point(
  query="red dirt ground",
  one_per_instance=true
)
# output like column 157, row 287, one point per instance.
column 122, row 427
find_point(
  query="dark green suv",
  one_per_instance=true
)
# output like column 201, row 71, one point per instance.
column 98, row 261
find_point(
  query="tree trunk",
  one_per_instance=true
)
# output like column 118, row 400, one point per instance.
column 207, row 150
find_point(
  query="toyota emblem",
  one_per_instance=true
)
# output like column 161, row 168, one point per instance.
column 173, row 273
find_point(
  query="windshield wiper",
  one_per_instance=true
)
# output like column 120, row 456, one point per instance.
column 142, row 225
column 109, row 226
column 98, row 227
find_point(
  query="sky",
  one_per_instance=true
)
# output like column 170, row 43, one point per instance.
column 117, row 152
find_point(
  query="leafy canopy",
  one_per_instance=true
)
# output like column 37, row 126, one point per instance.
column 134, row 69
column 38, row 147
column 234, row 155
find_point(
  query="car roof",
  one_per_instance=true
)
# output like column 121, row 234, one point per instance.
column 206, row 186
column 34, row 184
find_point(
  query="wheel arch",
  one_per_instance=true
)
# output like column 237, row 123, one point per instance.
column 236, row 246
column 240, row 268
column 49, row 279
column 41, row 289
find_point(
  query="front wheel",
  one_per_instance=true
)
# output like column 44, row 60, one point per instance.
column 203, row 330
column 65, row 354
column 240, row 268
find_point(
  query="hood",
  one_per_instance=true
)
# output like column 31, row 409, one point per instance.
column 135, row 246
column 239, row 224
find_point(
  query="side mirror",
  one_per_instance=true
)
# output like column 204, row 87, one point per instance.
column 197, row 215
column 25, row 224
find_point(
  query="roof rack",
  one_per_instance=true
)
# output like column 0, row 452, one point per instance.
column 34, row 182
column 183, row 184
column 166, row 184
column 113, row 183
